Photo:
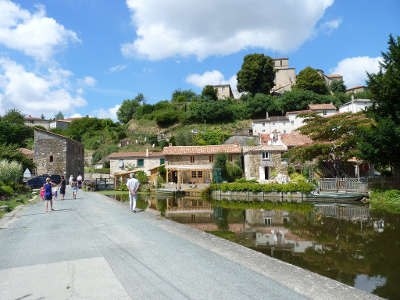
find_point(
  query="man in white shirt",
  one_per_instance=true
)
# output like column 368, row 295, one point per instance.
column 133, row 186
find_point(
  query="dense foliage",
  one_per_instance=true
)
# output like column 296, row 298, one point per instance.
column 304, row 187
column 309, row 79
column 256, row 74
column 13, row 131
column 386, row 200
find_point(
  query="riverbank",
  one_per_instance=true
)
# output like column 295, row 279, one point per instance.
column 388, row 201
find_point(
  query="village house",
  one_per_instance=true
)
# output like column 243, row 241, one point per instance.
column 264, row 162
column 193, row 164
column 356, row 89
column 139, row 161
column 290, row 122
column 329, row 78
column 224, row 91
column 55, row 154
column 355, row 105
column 32, row 121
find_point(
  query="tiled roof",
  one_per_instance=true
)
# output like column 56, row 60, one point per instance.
column 334, row 76
column 329, row 106
column 356, row 87
column 56, row 134
column 196, row 150
column 295, row 138
column 272, row 119
column 247, row 149
column 296, row 112
column 28, row 153
column 134, row 154
column 189, row 167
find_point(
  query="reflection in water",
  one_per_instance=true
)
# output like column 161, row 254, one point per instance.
column 348, row 243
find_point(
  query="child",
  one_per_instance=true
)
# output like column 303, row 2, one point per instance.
column 42, row 192
column 55, row 190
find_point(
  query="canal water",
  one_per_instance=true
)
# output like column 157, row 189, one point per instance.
column 348, row 243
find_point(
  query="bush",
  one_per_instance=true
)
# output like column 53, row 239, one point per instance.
column 10, row 172
column 387, row 200
column 166, row 118
column 6, row 190
column 142, row 177
column 304, row 187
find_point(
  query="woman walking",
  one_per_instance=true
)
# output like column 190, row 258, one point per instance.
column 74, row 186
column 62, row 187
column 48, row 197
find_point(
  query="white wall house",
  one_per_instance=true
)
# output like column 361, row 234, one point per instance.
column 290, row 122
column 144, row 161
column 32, row 121
column 355, row 106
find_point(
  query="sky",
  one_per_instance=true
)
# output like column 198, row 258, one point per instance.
column 84, row 57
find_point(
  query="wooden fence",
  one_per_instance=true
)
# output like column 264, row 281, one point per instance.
column 356, row 185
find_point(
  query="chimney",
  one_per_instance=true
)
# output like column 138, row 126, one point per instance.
column 147, row 152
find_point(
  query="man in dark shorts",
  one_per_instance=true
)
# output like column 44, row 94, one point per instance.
column 62, row 188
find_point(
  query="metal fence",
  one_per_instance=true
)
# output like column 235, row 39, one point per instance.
column 343, row 184
column 104, row 184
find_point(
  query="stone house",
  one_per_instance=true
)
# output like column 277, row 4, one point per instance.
column 55, row 154
column 355, row 106
column 285, row 77
column 356, row 89
column 290, row 122
column 329, row 78
column 193, row 164
column 32, row 121
column 224, row 91
column 141, row 161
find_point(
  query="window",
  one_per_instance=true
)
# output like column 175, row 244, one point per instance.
column 162, row 161
column 121, row 163
column 194, row 174
column 324, row 112
column 223, row 89
column 210, row 158
column 268, row 221
column 230, row 157
column 266, row 172
column 199, row 174
column 265, row 155
column 51, row 158
column 140, row 162
column 192, row 159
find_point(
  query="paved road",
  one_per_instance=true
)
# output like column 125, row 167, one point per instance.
column 93, row 248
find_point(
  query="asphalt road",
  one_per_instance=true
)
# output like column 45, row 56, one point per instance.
column 94, row 248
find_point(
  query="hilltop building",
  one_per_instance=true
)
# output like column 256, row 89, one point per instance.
column 224, row 91
column 356, row 89
column 55, row 154
column 32, row 121
column 285, row 77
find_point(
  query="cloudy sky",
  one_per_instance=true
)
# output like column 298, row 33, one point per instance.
column 86, row 56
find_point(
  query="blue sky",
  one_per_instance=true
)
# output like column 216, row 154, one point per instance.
column 87, row 56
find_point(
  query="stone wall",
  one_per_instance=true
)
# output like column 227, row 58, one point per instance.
column 253, row 162
column 148, row 163
column 75, row 158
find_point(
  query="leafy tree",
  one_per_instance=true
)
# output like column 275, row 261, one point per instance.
column 258, row 105
column 128, row 108
column 334, row 138
column 14, row 116
column 14, row 133
column 210, row 111
column 256, row 75
column 180, row 96
column 59, row 116
column 220, row 163
column 142, row 177
column 166, row 118
column 310, row 80
column 209, row 93
column 211, row 137
column 379, row 144
column 337, row 86
column 297, row 99
column 184, row 138
column 11, row 153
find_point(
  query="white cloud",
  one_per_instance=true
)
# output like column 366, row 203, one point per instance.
column 330, row 26
column 32, row 33
column 36, row 93
column 208, row 27
column 88, row 81
column 354, row 69
column 110, row 113
column 212, row 78
column 117, row 68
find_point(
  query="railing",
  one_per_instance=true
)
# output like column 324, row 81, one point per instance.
column 104, row 184
column 343, row 184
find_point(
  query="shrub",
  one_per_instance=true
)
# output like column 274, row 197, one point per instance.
column 10, row 172
column 304, row 187
column 142, row 177
column 6, row 190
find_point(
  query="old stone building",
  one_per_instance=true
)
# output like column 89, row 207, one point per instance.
column 224, row 91
column 55, row 154
column 140, row 161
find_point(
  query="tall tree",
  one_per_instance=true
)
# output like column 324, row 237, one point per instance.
column 59, row 116
column 209, row 92
column 128, row 108
column 14, row 116
column 310, row 80
column 256, row 75
column 380, row 143
column 337, row 86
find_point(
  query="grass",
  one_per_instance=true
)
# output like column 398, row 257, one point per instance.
column 12, row 203
column 112, row 192
column 228, row 235
column 388, row 201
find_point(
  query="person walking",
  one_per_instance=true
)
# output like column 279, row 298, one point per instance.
column 133, row 186
column 62, row 187
column 74, row 185
column 48, row 197
column 70, row 179
column 79, row 179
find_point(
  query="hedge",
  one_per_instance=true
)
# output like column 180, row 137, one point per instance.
column 304, row 187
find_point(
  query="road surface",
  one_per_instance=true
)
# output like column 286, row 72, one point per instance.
column 94, row 248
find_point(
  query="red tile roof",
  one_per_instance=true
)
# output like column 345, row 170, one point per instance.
column 28, row 153
column 296, row 112
column 198, row 150
column 356, row 87
column 334, row 76
column 328, row 106
column 259, row 148
column 134, row 154
column 295, row 138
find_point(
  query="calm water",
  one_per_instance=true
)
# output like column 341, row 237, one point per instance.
column 348, row 243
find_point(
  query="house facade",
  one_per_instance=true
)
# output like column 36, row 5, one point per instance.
column 224, row 91
column 55, row 154
column 285, row 77
column 356, row 89
column 143, row 161
column 32, row 121
column 193, row 164
column 355, row 106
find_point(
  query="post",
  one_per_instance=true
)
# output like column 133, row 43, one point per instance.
column 166, row 179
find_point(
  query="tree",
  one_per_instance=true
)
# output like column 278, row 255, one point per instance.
column 337, row 86
column 256, row 75
column 59, row 116
column 297, row 99
column 379, row 144
column 14, row 116
column 166, row 118
column 11, row 153
column 258, row 105
column 211, row 137
column 310, row 80
column 14, row 133
column 128, row 108
column 209, row 93
column 180, row 96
